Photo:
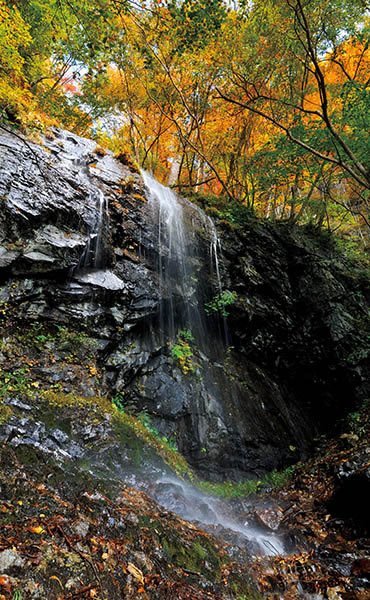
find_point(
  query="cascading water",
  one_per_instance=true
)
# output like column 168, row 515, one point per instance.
column 179, row 305
column 93, row 254
column 180, row 286
column 182, row 306
column 215, row 254
column 191, row 504
column 168, row 218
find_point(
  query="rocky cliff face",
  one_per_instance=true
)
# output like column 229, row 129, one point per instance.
column 93, row 303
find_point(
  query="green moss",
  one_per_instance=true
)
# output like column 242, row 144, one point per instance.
column 242, row 589
column 129, row 428
column 162, row 447
column 230, row 489
column 198, row 556
column 5, row 412
column 27, row 455
column 240, row 489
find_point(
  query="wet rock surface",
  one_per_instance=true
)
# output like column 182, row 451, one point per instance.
column 253, row 403
column 83, row 303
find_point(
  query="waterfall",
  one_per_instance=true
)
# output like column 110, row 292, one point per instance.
column 93, row 254
column 180, row 305
column 167, row 215
column 183, row 292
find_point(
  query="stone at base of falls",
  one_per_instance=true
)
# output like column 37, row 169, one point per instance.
column 270, row 517
column 9, row 559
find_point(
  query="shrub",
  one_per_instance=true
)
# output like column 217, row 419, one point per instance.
column 182, row 352
column 219, row 303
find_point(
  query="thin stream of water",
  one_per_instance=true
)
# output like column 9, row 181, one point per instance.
column 93, row 254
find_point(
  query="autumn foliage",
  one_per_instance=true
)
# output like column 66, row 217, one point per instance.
column 263, row 104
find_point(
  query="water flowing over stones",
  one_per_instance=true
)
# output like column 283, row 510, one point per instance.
column 174, row 281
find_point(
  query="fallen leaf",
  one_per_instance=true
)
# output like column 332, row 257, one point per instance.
column 135, row 572
column 58, row 580
column 37, row 529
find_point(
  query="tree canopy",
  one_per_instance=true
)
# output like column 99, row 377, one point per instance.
column 262, row 104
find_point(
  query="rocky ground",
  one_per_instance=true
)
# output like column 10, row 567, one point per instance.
column 67, row 533
column 60, row 539
column 327, row 503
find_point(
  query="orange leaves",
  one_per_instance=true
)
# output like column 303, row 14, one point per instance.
column 37, row 529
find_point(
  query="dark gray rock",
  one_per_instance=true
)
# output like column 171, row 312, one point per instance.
column 350, row 500
column 294, row 353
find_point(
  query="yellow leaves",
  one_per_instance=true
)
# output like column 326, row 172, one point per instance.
column 139, row 197
column 14, row 35
column 135, row 572
column 94, row 542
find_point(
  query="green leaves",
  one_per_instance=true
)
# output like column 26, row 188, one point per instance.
column 182, row 352
column 196, row 23
column 51, row 43
column 220, row 302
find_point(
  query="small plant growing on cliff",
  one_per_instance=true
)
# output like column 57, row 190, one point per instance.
column 219, row 303
column 145, row 420
column 17, row 383
column 118, row 401
column 358, row 422
column 183, row 353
